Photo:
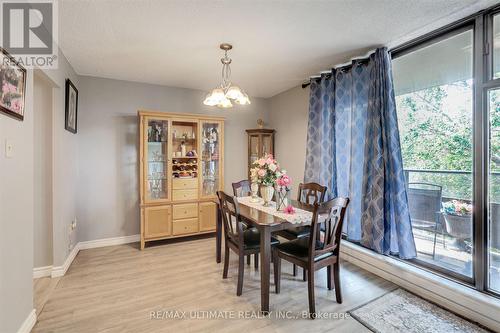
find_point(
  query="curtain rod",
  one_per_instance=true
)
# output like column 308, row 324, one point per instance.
column 358, row 60
column 415, row 41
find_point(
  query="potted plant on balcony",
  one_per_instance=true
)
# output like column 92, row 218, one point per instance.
column 458, row 221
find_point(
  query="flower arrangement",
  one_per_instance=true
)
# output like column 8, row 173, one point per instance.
column 266, row 171
column 457, row 207
column 284, row 181
column 283, row 187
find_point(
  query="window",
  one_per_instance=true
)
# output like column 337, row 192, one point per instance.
column 494, row 191
column 434, row 98
column 448, row 106
column 496, row 46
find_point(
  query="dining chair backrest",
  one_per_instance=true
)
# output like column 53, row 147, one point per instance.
column 330, row 215
column 230, row 211
column 311, row 193
column 242, row 188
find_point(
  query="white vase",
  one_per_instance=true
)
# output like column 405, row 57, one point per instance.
column 255, row 192
column 267, row 193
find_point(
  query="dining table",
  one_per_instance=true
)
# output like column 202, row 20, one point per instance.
column 267, row 222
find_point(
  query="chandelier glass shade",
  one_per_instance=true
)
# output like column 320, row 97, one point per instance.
column 226, row 93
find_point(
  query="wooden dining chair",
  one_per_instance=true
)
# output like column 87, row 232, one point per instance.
column 242, row 241
column 317, row 250
column 309, row 193
column 242, row 189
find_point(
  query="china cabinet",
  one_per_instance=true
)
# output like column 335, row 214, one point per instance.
column 181, row 170
column 260, row 143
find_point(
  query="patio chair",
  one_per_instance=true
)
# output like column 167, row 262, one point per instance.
column 424, row 200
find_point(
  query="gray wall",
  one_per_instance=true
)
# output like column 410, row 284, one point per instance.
column 17, row 193
column 42, row 109
column 108, row 202
column 288, row 115
column 16, row 217
column 64, row 163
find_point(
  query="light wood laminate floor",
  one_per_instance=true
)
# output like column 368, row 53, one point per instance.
column 115, row 289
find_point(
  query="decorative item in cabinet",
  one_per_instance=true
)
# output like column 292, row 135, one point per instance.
column 211, row 164
column 181, row 168
column 156, row 161
column 260, row 143
column 184, row 156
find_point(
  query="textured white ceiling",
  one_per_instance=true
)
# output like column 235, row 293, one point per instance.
column 277, row 43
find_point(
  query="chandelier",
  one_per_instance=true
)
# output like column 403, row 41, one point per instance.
column 224, row 95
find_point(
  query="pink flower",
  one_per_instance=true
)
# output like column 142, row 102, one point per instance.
column 12, row 88
column 16, row 105
column 289, row 210
column 5, row 88
column 284, row 181
column 262, row 162
column 269, row 160
column 261, row 172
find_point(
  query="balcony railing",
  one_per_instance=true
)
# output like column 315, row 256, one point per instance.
column 457, row 184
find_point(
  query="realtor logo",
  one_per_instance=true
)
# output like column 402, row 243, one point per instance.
column 29, row 32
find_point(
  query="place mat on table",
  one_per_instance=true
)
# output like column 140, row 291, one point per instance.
column 300, row 215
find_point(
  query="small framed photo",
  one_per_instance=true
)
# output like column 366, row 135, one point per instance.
column 13, row 81
column 71, row 116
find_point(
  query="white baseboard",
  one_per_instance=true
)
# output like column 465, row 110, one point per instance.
column 44, row 271
column 108, row 242
column 465, row 301
column 28, row 323
column 57, row 271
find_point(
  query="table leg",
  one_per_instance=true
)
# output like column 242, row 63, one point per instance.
column 265, row 259
column 218, row 235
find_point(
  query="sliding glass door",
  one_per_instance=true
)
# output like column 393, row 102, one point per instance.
column 447, row 87
column 434, row 94
column 494, row 191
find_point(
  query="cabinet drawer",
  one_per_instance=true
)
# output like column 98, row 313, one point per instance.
column 187, row 226
column 185, row 211
column 184, row 194
column 180, row 184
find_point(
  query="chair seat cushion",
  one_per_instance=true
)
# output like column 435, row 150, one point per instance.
column 299, row 248
column 297, row 232
column 251, row 238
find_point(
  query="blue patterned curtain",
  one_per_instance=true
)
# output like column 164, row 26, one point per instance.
column 353, row 147
column 320, row 162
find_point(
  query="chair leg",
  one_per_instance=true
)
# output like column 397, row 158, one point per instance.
column 310, row 291
column 304, row 275
column 329, row 276
column 256, row 260
column 294, row 270
column 248, row 259
column 336, row 279
column 241, row 270
column 226, row 262
column 277, row 273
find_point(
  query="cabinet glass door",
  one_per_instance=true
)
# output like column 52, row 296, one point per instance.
column 267, row 145
column 210, row 158
column 254, row 148
column 156, row 160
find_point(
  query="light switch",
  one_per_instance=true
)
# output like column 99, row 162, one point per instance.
column 9, row 149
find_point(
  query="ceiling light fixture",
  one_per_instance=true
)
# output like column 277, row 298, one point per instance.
column 227, row 93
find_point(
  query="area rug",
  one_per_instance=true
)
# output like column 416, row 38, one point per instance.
column 401, row 311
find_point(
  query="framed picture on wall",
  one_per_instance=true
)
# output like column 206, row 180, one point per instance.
column 71, row 116
column 13, row 81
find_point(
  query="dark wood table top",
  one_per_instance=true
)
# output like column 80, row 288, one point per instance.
column 260, row 218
